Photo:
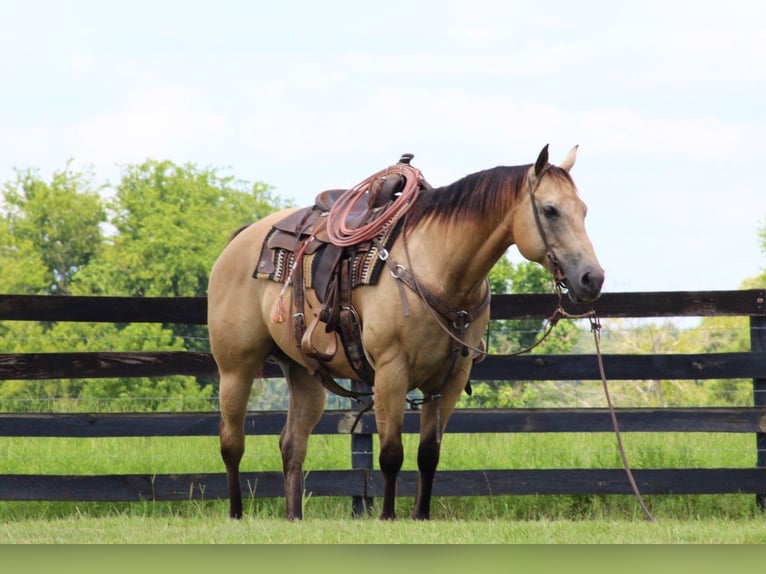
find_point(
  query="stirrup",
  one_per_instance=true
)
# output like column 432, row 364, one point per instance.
column 307, row 346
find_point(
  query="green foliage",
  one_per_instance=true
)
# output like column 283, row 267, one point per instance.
column 50, row 230
column 171, row 393
column 23, row 270
column 158, row 235
column 171, row 223
column 506, row 337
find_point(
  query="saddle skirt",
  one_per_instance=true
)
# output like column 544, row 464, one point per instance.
column 332, row 272
column 298, row 252
column 280, row 249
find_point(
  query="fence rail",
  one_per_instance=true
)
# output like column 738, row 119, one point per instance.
column 360, row 482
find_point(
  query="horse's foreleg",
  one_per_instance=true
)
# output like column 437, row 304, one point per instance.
column 390, row 459
column 389, row 418
column 307, row 400
column 234, row 394
column 431, row 430
column 428, row 459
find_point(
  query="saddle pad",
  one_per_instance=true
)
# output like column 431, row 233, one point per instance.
column 365, row 268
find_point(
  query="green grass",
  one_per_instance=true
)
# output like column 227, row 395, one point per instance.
column 489, row 451
column 500, row 519
column 213, row 528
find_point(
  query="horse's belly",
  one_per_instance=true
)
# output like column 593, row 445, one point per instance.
column 282, row 329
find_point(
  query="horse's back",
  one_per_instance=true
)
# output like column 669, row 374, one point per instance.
column 233, row 270
column 238, row 304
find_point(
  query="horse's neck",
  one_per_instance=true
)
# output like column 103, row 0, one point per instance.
column 454, row 259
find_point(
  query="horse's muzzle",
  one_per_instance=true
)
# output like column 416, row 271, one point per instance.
column 586, row 288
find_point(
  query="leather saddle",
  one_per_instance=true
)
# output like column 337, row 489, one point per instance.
column 303, row 234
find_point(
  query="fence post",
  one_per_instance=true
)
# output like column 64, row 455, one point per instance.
column 361, row 457
column 758, row 344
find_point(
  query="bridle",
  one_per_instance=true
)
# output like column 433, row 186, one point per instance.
column 595, row 325
column 556, row 271
column 558, row 313
column 458, row 321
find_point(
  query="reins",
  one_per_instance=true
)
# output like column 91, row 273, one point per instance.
column 558, row 313
column 595, row 325
column 456, row 322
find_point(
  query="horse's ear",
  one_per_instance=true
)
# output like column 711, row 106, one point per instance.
column 542, row 161
column 569, row 160
column 537, row 169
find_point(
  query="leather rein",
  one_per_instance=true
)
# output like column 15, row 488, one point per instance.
column 460, row 320
column 595, row 325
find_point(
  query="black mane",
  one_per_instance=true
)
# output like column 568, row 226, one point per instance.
column 471, row 197
column 475, row 196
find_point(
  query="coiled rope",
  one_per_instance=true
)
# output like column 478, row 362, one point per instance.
column 342, row 235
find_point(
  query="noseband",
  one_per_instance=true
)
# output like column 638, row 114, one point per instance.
column 558, row 273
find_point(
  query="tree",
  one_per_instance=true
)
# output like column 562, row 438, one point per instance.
column 53, row 227
column 165, row 226
column 170, row 223
column 23, row 270
column 512, row 336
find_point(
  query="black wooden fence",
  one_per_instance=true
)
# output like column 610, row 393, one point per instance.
column 360, row 481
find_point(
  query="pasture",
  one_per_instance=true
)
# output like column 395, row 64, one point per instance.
column 678, row 440
column 531, row 519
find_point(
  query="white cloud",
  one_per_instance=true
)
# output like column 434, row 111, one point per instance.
column 158, row 123
column 665, row 100
column 636, row 134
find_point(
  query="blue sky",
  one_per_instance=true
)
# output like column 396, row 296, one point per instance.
column 665, row 99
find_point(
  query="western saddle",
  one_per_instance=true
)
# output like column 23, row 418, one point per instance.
column 372, row 211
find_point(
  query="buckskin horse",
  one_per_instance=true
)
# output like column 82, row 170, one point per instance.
column 418, row 324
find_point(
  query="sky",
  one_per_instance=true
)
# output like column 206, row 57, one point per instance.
column 666, row 101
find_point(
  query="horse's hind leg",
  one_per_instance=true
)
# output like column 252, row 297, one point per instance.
column 307, row 401
column 234, row 394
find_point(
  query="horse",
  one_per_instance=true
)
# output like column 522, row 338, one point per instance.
column 452, row 237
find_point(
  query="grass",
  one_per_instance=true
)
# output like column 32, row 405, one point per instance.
column 501, row 519
column 489, row 451
column 206, row 528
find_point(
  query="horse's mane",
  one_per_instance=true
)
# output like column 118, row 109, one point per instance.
column 475, row 196
column 238, row 231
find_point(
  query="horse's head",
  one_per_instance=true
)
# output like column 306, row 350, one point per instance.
column 549, row 227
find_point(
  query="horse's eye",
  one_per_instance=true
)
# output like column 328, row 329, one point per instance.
column 550, row 211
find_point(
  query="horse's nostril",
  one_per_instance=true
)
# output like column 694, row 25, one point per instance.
column 592, row 280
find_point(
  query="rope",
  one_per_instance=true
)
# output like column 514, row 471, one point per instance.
column 596, row 328
column 342, row 235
